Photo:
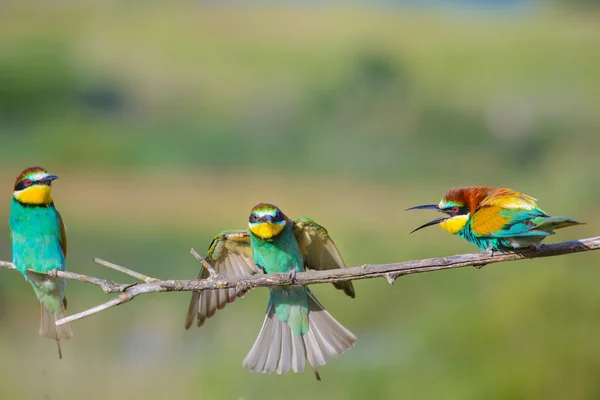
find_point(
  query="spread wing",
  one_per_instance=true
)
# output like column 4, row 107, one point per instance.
column 229, row 254
column 319, row 251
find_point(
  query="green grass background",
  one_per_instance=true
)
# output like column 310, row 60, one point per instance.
column 167, row 124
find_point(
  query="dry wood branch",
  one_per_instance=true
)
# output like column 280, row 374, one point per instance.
column 124, row 270
column 107, row 286
column 388, row 271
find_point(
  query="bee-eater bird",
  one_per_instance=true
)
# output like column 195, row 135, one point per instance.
column 297, row 326
column 494, row 219
column 39, row 245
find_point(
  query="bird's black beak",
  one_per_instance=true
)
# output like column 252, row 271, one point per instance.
column 48, row 179
column 428, row 207
column 268, row 218
column 425, row 207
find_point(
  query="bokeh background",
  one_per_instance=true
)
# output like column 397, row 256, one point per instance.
column 167, row 122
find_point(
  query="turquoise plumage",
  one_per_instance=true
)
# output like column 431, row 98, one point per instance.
column 296, row 328
column 39, row 246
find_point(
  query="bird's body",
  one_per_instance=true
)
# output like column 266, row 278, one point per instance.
column 39, row 246
column 296, row 327
column 495, row 219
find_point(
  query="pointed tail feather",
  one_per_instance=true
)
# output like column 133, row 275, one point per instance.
column 49, row 329
column 550, row 224
column 277, row 348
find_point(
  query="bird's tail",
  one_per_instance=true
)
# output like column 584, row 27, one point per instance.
column 53, row 305
column 48, row 327
column 549, row 224
column 277, row 348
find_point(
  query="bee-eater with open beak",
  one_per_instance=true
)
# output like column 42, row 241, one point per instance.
column 39, row 244
column 494, row 219
column 297, row 327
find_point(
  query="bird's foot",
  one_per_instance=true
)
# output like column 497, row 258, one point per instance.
column 490, row 251
column 292, row 276
column 241, row 288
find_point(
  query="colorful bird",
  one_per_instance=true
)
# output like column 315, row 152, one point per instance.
column 494, row 219
column 39, row 245
column 297, row 326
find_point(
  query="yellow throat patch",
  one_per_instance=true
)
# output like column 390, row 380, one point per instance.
column 37, row 194
column 455, row 224
column 267, row 230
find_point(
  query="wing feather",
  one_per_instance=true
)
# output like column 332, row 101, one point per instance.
column 63, row 235
column 505, row 213
column 230, row 255
column 319, row 250
column 488, row 220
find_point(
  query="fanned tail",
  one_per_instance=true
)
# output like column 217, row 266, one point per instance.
column 277, row 348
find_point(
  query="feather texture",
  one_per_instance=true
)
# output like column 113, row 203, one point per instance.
column 39, row 245
column 278, row 348
column 230, row 255
column 496, row 218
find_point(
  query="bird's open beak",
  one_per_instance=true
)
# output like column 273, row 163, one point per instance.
column 428, row 207
column 48, row 179
column 425, row 207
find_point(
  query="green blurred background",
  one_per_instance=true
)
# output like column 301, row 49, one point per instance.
column 167, row 123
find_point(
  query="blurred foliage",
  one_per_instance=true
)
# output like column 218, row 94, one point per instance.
column 168, row 123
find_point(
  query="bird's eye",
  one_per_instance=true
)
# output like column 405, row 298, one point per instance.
column 254, row 217
column 27, row 182
column 455, row 209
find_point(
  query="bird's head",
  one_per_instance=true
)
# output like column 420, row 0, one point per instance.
column 33, row 187
column 266, row 221
column 457, row 205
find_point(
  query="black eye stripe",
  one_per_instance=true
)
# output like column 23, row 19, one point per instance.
column 461, row 210
column 278, row 217
column 21, row 185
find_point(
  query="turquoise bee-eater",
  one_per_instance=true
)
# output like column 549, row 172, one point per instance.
column 297, row 327
column 494, row 219
column 39, row 245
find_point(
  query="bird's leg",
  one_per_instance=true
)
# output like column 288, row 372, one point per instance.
column 490, row 250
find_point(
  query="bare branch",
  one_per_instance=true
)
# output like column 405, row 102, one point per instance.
column 105, row 285
column 205, row 264
column 388, row 271
column 128, row 295
column 125, row 271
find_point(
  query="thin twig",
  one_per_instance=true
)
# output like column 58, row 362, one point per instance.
column 126, row 296
column 126, row 271
column 205, row 264
column 388, row 271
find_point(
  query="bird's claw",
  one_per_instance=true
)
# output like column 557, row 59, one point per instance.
column 490, row 251
column 241, row 288
column 292, row 276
